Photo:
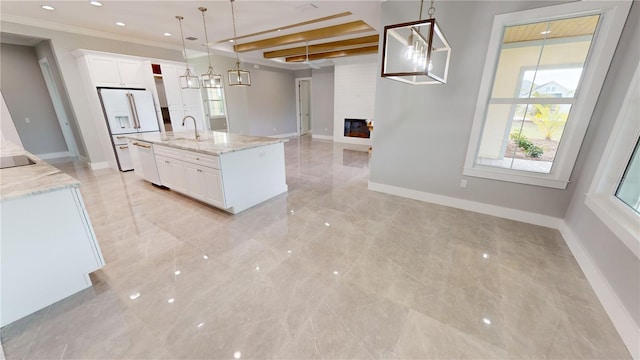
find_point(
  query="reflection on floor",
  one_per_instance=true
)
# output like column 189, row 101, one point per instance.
column 329, row 271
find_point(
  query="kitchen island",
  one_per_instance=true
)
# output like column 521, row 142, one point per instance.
column 48, row 246
column 229, row 171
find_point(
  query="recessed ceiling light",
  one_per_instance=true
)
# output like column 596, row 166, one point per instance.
column 231, row 40
column 545, row 32
column 95, row 3
column 167, row 34
column 119, row 23
column 47, row 7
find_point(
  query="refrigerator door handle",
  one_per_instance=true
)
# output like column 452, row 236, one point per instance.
column 135, row 112
column 132, row 108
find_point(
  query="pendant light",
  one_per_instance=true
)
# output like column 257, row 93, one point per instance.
column 237, row 76
column 188, row 80
column 209, row 80
column 416, row 52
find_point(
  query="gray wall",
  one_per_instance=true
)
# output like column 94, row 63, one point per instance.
column 322, row 101
column 25, row 93
column 618, row 265
column 43, row 50
column 272, row 101
column 422, row 132
column 63, row 44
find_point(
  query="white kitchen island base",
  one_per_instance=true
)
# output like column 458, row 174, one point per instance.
column 231, row 172
column 48, row 250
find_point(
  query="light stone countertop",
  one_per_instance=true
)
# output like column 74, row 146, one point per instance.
column 210, row 142
column 30, row 180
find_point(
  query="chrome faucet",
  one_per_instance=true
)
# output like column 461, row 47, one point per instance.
column 195, row 126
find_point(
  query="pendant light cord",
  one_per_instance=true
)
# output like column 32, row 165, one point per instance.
column 184, row 48
column 431, row 11
column 206, row 37
column 233, row 19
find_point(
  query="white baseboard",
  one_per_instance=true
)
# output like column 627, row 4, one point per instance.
column 352, row 140
column 622, row 320
column 494, row 210
column 54, row 155
column 322, row 137
column 99, row 165
column 285, row 135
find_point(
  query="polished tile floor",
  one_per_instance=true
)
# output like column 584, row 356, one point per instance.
column 331, row 270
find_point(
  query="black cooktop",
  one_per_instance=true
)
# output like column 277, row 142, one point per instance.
column 13, row 161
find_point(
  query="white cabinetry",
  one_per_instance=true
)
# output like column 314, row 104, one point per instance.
column 181, row 102
column 143, row 160
column 204, row 180
column 48, row 250
column 116, row 72
column 170, row 168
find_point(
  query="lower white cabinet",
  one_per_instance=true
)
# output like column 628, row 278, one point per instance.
column 48, row 250
column 171, row 173
column 205, row 184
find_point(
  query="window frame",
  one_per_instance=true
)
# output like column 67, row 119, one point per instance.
column 601, row 198
column 604, row 43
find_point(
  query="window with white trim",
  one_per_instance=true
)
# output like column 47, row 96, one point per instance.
column 215, row 108
column 614, row 195
column 543, row 74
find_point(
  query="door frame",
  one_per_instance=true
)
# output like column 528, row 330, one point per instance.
column 58, row 107
column 297, row 91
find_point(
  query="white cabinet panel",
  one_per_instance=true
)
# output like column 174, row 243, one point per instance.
column 104, row 71
column 171, row 83
column 143, row 160
column 116, row 72
column 214, row 192
column 171, row 172
column 195, row 181
column 46, row 254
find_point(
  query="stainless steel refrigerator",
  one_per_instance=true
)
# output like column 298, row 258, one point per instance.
column 127, row 111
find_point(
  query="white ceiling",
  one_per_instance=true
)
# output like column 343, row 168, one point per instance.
column 146, row 20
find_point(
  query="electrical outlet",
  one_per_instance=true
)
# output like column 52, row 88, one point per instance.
column 463, row 183
column 27, row 120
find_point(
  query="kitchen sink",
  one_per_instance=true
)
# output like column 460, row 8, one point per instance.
column 14, row 161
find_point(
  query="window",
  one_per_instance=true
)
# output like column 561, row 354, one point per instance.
column 216, row 110
column 543, row 74
column 614, row 195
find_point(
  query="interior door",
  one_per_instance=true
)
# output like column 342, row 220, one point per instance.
column 305, row 106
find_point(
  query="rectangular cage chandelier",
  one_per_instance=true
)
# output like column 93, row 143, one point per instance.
column 416, row 52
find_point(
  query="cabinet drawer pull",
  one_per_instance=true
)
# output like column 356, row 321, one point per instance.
column 124, row 147
column 142, row 145
column 199, row 170
column 166, row 161
column 119, row 137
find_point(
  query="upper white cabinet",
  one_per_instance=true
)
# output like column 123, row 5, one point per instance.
column 116, row 72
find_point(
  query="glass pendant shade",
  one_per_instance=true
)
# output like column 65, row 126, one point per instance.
column 211, row 80
column 415, row 53
column 239, row 77
column 189, row 81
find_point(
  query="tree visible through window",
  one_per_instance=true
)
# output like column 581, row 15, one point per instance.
column 537, row 77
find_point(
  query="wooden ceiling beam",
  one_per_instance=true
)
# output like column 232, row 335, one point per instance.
column 335, row 54
column 312, row 21
column 329, row 46
column 310, row 35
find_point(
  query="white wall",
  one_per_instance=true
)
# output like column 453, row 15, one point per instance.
column 422, row 132
column 322, row 85
column 26, row 96
column 609, row 256
column 354, row 97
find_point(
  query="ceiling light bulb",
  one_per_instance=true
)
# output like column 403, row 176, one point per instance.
column 119, row 23
column 231, row 40
column 545, row 32
column 95, row 3
column 47, row 7
column 167, row 34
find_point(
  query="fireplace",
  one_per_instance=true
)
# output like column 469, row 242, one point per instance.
column 356, row 128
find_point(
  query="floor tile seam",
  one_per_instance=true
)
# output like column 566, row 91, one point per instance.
column 359, row 341
column 35, row 335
